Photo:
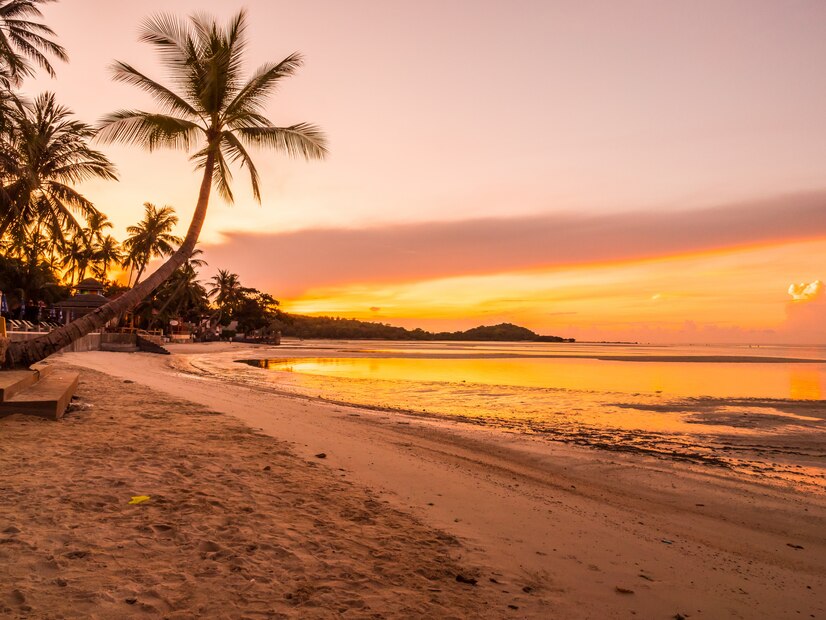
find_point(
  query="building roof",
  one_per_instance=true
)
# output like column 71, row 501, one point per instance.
column 89, row 284
column 85, row 300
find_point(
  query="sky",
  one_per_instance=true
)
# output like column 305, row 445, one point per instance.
column 599, row 170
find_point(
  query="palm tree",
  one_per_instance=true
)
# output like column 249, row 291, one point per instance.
column 46, row 154
column 23, row 41
column 215, row 109
column 182, row 292
column 96, row 223
column 75, row 257
column 182, row 295
column 107, row 253
column 227, row 291
column 151, row 238
column 195, row 262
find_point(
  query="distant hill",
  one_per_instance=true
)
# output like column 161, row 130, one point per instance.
column 302, row 326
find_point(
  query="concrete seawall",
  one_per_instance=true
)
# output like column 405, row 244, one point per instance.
column 89, row 342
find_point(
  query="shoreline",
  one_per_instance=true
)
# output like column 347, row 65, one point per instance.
column 741, row 434
column 578, row 523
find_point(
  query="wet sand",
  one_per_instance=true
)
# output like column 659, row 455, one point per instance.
column 555, row 530
column 761, row 421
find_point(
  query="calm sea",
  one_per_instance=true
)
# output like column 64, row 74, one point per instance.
column 756, row 410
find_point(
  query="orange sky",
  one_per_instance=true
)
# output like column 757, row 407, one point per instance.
column 640, row 170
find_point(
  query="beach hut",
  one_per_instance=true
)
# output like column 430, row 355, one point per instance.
column 89, row 296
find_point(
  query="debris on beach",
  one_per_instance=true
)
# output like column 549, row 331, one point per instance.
column 321, row 455
column 468, row 580
column 139, row 499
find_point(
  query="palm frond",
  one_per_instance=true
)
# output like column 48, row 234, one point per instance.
column 223, row 177
column 171, row 102
column 171, row 36
column 70, row 198
column 301, row 140
column 91, row 167
column 254, row 93
column 23, row 40
column 147, row 129
column 237, row 152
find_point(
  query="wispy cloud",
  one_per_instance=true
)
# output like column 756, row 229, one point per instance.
column 293, row 262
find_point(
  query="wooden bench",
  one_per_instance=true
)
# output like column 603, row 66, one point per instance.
column 45, row 393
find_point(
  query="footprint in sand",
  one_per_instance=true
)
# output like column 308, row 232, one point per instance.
column 208, row 546
column 163, row 529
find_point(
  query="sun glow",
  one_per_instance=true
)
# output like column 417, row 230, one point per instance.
column 732, row 292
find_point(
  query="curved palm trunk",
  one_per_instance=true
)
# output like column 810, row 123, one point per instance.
column 30, row 351
column 163, row 308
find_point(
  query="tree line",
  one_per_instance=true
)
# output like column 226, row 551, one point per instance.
column 337, row 328
column 51, row 236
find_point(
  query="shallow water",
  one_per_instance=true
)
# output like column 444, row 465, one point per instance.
column 760, row 411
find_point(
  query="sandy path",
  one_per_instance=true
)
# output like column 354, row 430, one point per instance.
column 568, row 531
column 237, row 525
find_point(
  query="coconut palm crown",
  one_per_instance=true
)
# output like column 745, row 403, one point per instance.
column 215, row 109
column 151, row 237
column 211, row 108
column 45, row 154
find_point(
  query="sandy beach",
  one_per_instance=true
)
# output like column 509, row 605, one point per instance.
column 245, row 520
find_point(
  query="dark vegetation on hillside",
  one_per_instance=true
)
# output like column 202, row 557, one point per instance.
column 300, row 326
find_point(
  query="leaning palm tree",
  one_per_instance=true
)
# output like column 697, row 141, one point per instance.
column 23, row 41
column 45, row 155
column 215, row 110
column 151, row 238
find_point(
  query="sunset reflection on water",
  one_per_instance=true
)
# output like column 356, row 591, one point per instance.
column 764, row 418
column 687, row 379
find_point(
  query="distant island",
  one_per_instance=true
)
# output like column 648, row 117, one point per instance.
column 335, row 328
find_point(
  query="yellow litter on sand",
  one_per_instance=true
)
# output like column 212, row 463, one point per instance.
column 139, row 499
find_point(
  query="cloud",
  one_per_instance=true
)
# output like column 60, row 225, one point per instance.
column 806, row 291
column 294, row 262
column 806, row 313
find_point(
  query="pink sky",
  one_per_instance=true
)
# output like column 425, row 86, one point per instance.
column 619, row 131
